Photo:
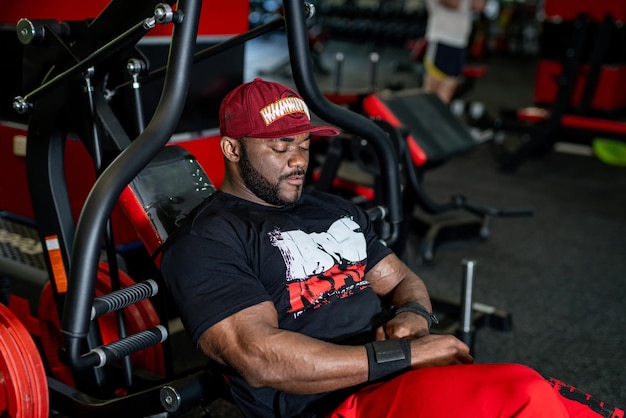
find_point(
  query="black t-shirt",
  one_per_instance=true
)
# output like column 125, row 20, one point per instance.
column 310, row 259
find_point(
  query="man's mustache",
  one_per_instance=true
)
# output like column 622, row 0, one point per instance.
column 293, row 174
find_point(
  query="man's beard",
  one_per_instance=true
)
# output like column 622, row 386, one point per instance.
column 259, row 184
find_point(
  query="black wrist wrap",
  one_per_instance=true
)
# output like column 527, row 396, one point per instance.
column 386, row 358
column 418, row 309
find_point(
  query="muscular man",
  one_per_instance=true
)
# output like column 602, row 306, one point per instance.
column 307, row 313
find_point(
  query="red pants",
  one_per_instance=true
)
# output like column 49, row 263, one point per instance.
column 480, row 390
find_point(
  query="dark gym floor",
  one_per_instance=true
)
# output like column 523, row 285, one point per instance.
column 561, row 273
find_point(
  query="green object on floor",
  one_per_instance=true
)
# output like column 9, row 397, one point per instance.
column 610, row 151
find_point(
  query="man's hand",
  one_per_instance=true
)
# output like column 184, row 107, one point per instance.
column 403, row 325
column 439, row 350
column 426, row 350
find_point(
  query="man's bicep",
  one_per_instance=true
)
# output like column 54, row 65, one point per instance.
column 386, row 274
column 209, row 281
column 230, row 340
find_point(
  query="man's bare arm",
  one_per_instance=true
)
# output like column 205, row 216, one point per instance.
column 266, row 356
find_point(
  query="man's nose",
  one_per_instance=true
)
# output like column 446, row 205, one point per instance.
column 299, row 158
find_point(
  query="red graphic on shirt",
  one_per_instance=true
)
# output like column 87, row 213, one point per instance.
column 316, row 290
column 322, row 267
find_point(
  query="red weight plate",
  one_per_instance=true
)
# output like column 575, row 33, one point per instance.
column 36, row 371
column 23, row 373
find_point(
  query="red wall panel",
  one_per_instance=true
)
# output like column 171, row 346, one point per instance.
column 597, row 9
column 609, row 94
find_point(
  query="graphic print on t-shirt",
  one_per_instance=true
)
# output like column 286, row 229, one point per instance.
column 322, row 266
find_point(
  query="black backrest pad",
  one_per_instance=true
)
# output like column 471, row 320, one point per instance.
column 436, row 129
column 170, row 187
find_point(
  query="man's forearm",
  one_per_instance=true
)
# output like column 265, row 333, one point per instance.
column 265, row 356
column 314, row 367
column 293, row 363
column 411, row 289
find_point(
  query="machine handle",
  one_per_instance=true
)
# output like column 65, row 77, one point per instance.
column 122, row 298
column 109, row 353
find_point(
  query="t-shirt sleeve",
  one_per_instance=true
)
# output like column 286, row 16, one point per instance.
column 376, row 250
column 206, row 285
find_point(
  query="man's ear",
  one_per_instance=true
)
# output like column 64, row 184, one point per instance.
column 231, row 148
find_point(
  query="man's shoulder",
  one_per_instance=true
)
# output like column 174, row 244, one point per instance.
column 212, row 221
column 332, row 205
column 207, row 216
column 220, row 209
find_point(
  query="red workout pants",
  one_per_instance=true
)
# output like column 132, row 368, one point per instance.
column 468, row 391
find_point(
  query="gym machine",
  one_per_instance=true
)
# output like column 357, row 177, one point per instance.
column 425, row 134
column 578, row 91
column 99, row 361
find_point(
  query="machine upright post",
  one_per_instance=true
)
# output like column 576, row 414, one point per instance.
column 466, row 331
column 338, row 74
column 374, row 59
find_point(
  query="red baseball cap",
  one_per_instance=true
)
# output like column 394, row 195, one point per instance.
column 264, row 109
